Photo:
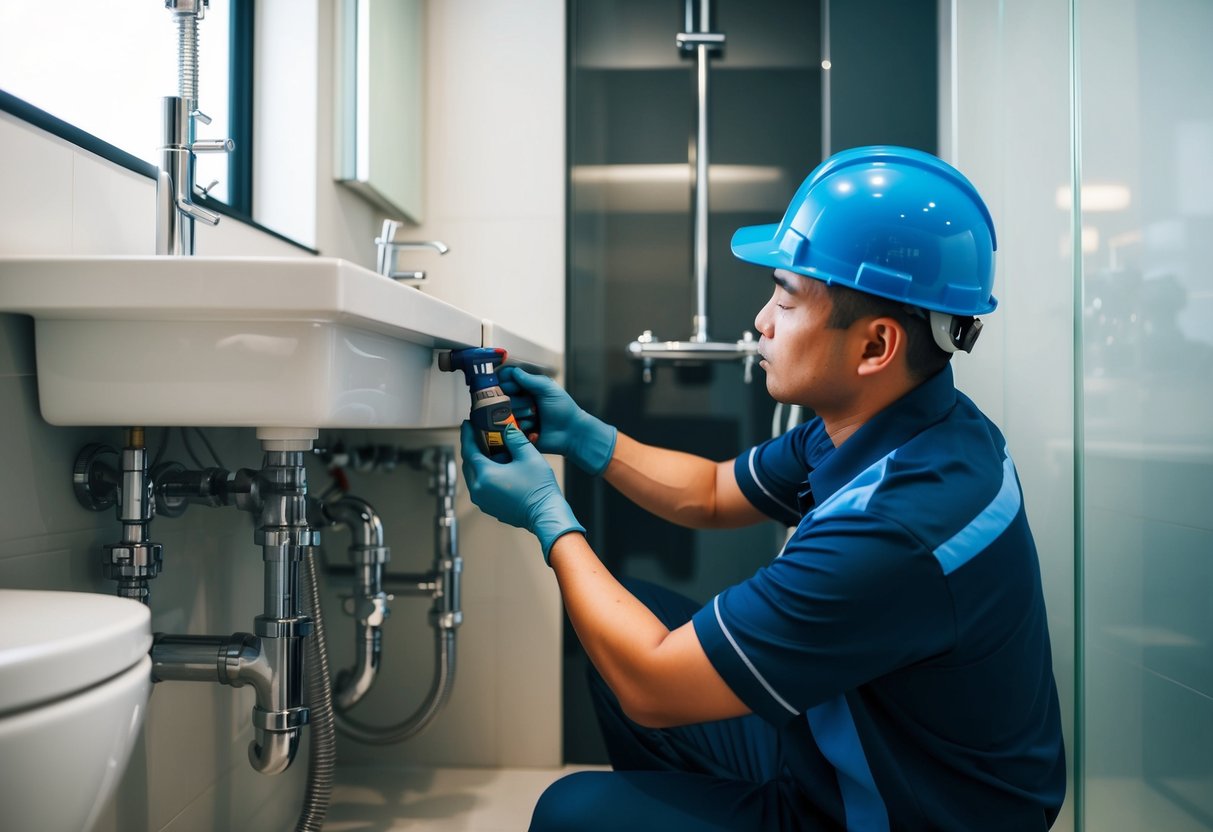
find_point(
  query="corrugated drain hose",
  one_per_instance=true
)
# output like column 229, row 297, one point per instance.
column 322, row 757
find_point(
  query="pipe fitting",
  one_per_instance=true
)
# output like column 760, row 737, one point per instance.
column 285, row 539
column 369, row 605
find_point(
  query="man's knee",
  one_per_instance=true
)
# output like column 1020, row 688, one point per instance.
column 571, row 803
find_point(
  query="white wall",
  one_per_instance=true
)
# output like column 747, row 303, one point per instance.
column 495, row 191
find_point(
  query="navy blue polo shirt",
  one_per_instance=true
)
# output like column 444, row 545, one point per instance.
column 899, row 640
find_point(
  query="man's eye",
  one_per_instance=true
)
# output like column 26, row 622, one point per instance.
column 782, row 306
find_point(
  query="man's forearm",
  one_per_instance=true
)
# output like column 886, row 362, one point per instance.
column 676, row 486
column 661, row 677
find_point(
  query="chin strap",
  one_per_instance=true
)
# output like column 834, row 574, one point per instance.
column 954, row 333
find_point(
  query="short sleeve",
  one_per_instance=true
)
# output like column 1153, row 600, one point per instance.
column 852, row 598
column 771, row 475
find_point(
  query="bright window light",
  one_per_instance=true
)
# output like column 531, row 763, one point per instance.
column 104, row 68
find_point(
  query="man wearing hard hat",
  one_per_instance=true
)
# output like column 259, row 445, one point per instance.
column 890, row 668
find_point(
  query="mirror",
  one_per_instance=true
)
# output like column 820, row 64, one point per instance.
column 380, row 102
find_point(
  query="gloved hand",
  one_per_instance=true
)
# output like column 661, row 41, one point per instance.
column 563, row 427
column 522, row 492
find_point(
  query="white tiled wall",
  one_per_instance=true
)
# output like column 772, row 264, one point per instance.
column 189, row 770
column 495, row 176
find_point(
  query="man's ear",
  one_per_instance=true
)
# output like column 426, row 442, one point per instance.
column 884, row 344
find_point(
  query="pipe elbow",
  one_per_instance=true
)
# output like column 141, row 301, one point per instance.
column 273, row 751
column 359, row 516
column 353, row 685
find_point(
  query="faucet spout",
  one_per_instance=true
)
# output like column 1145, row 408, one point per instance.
column 389, row 248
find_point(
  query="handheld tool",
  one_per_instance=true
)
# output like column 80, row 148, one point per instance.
column 491, row 411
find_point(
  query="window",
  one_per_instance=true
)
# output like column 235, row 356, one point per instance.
column 104, row 69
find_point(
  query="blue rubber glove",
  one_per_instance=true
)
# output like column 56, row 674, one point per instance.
column 563, row 427
column 522, row 492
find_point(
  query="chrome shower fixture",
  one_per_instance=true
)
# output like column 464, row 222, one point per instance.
column 700, row 40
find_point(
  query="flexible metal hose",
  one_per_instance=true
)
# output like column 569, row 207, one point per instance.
column 187, row 55
column 440, row 691
column 322, row 757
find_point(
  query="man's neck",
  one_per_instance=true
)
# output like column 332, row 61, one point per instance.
column 842, row 425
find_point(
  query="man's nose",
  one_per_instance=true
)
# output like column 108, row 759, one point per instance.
column 762, row 319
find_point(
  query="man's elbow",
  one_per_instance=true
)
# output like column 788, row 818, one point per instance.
column 648, row 714
column 647, row 708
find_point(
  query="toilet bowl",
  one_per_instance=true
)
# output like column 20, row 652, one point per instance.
column 75, row 677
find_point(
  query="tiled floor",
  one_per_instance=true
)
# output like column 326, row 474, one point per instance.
column 379, row 799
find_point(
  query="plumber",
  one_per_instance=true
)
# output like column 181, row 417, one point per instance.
column 890, row 668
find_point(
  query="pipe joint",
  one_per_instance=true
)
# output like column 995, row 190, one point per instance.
column 446, row 619
column 244, row 662
column 277, row 722
column 299, row 627
column 287, row 542
column 372, row 610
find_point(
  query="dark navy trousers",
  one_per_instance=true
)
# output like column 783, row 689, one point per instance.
column 722, row 775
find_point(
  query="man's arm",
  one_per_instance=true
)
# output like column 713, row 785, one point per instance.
column 682, row 488
column 661, row 677
column 678, row 487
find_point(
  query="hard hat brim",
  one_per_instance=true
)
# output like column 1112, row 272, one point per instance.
column 757, row 244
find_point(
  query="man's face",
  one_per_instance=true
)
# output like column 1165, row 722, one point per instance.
column 805, row 361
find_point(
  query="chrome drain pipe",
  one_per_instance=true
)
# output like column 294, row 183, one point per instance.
column 285, row 539
column 235, row 660
column 442, row 584
column 271, row 658
column 370, row 608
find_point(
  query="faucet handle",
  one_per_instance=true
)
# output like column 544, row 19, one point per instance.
column 206, row 189
column 213, row 146
column 389, row 247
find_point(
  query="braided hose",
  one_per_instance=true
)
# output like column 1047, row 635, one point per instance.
column 322, row 757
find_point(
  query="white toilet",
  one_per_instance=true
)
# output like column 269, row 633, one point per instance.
column 75, row 678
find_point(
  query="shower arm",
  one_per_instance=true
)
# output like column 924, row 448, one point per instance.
column 701, row 40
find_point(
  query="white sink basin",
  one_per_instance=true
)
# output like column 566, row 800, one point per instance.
column 242, row 342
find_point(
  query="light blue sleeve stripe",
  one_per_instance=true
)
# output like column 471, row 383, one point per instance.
column 834, row 731
column 758, row 482
column 985, row 528
column 746, row 659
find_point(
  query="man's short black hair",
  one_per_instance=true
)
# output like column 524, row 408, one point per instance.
column 924, row 358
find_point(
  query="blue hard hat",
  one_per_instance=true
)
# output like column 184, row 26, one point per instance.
column 890, row 221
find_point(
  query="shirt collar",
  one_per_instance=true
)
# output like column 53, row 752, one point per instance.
column 926, row 404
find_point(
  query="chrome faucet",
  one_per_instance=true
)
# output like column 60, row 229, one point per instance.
column 175, row 188
column 389, row 247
